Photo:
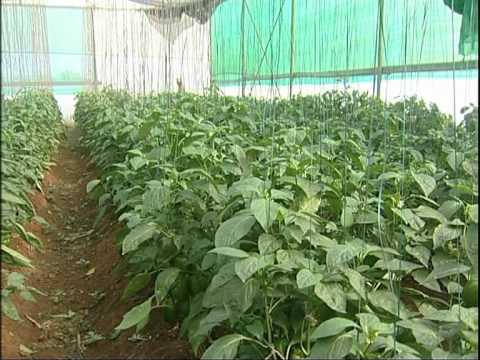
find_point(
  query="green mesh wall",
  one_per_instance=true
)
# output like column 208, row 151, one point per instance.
column 66, row 52
column 266, row 42
column 331, row 36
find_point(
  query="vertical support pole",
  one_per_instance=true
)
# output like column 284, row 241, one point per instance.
column 210, row 51
column 242, row 44
column 292, row 47
column 168, row 65
column 165, row 76
column 380, row 49
column 94, row 53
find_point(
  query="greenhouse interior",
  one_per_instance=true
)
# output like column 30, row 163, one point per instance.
column 239, row 179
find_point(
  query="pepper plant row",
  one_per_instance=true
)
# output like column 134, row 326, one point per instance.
column 323, row 226
column 31, row 130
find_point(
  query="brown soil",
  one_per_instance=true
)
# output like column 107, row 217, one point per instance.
column 75, row 270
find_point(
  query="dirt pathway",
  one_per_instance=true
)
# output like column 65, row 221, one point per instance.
column 80, row 274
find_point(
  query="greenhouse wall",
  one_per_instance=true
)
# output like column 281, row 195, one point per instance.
column 282, row 48
column 265, row 48
column 130, row 52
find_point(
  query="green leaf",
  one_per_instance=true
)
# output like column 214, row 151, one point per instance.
column 242, row 159
column 214, row 318
column 247, row 267
column 233, row 230
column 341, row 347
column 338, row 255
column 27, row 295
column 256, row 328
column 366, row 217
column 332, row 294
column 370, row 324
column 156, row 198
column 455, row 158
column 332, row 327
column 471, row 245
column 421, row 275
column 397, row 265
column 321, row 348
column 309, row 188
column 429, row 312
column 281, row 195
column 421, row 253
column 223, row 348
column 265, row 211
column 357, row 281
column 268, row 244
column 136, row 315
column 440, row 354
column 408, row 216
column 403, row 351
column 28, row 236
column 317, row 239
column 9, row 309
column 468, row 316
column 25, row 350
column 390, row 175
column 40, row 220
column 472, row 211
column 16, row 280
column 164, row 282
column 137, row 283
column 294, row 136
column 346, row 218
column 201, row 172
column 429, row 213
column 310, row 205
column 8, row 197
column 305, row 278
column 137, row 236
column 389, row 302
column 224, row 275
column 424, row 332
column 295, row 232
column 446, row 269
column 208, row 261
column 16, row 256
column 247, row 186
column 92, row 185
column 471, row 168
column 137, row 162
column 426, row 182
column 444, row 233
column 229, row 251
column 449, row 208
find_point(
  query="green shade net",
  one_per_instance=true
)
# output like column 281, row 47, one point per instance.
column 68, row 55
column 334, row 38
column 261, row 42
column 468, row 44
